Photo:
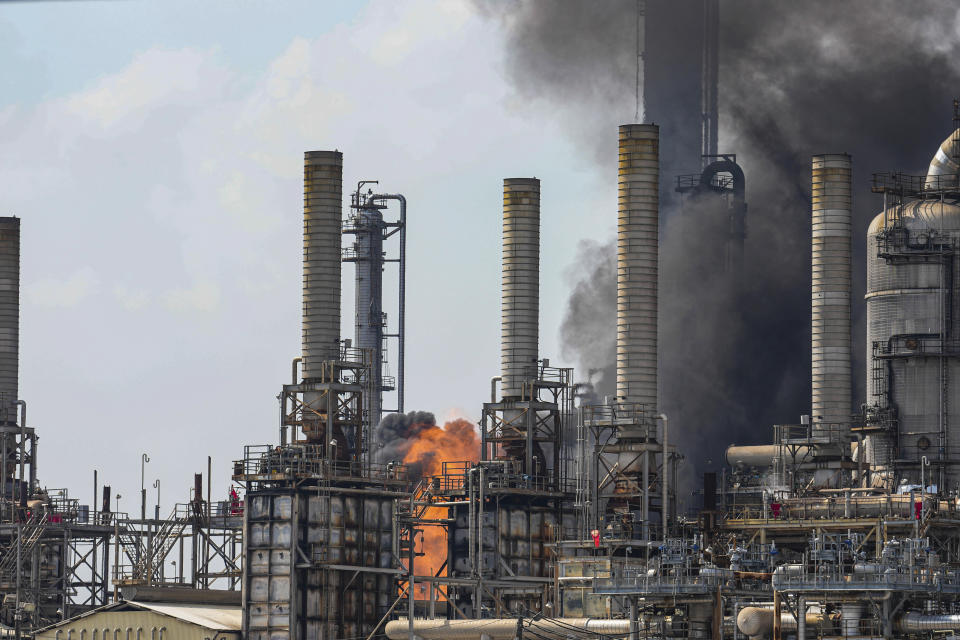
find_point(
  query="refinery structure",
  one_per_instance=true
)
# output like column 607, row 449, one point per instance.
column 562, row 519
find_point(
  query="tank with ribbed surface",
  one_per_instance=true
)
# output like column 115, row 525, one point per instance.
column 322, row 206
column 9, row 316
column 520, row 284
column 638, row 201
column 913, row 316
column 830, row 293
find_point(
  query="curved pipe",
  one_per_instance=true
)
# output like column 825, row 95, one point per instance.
column 725, row 166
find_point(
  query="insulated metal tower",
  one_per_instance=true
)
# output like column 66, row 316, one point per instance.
column 370, row 230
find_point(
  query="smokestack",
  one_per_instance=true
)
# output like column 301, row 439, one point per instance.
column 520, row 289
column 9, row 317
column 638, row 202
column 831, row 211
column 322, row 202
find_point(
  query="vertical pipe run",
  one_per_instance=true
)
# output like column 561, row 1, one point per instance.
column 9, row 317
column 638, row 202
column 520, row 285
column 831, row 217
column 322, row 204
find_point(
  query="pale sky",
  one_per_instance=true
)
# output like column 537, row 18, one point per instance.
column 154, row 153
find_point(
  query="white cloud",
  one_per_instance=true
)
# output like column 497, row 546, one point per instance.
column 131, row 299
column 203, row 296
column 154, row 77
column 63, row 292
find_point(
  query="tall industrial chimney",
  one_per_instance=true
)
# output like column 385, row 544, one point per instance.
column 831, row 212
column 322, row 203
column 638, row 203
column 9, row 317
column 520, row 287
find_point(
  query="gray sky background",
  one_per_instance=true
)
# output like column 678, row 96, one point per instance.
column 154, row 153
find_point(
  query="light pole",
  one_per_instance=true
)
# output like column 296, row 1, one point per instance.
column 156, row 485
column 144, row 459
column 116, row 550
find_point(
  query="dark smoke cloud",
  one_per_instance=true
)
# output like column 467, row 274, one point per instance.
column 397, row 432
column 585, row 334
column 873, row 78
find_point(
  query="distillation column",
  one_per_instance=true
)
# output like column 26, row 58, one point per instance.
column 831, row 213
column 520, row 285
column 369, row 299
column 9, row 317
column 638, row 201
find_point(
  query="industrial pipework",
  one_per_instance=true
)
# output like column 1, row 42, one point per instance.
column 830, row 299
column 520, row 286
column 322, row 203
column 638, row 201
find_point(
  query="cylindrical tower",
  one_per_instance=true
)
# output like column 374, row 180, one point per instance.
column 369, row 300
column 9, row 317
column 637, row 228
column 520, row 290
column 913, row 325
column 322, row 202
column 830, row 299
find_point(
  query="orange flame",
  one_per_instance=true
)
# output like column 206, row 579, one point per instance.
column 456, row 441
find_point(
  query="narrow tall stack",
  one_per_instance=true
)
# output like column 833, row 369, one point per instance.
column 638, row 203
column 831, row 213
column 9, row 317
column 520, row 286
column 322, row 204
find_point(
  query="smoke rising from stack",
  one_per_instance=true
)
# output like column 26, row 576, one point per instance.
column 873, row 78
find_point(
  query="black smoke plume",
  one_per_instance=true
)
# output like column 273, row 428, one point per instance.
column 873, row 78
column 397, row 432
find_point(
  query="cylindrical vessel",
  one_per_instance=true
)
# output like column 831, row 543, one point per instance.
column 322, row 203
column 830, row 300
column 916, row 622
column 913, row 316
column 520, row 285
column 9, row 317
column 369, row 301
column 638, row 203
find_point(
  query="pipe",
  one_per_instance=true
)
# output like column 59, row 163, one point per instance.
column 402, row 294
column 638, row 203
column 830, row 292
column 761, row 455
column 503, row 628
column 944, row 169
column 914, row 621
column 520, row 288
column 664, row 480
column 322, row 205
column 758, row 621
column 493, row 387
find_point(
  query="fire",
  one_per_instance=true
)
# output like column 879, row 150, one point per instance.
column 456, row 441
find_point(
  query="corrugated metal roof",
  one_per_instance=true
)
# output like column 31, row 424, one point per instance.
column 212, row 617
